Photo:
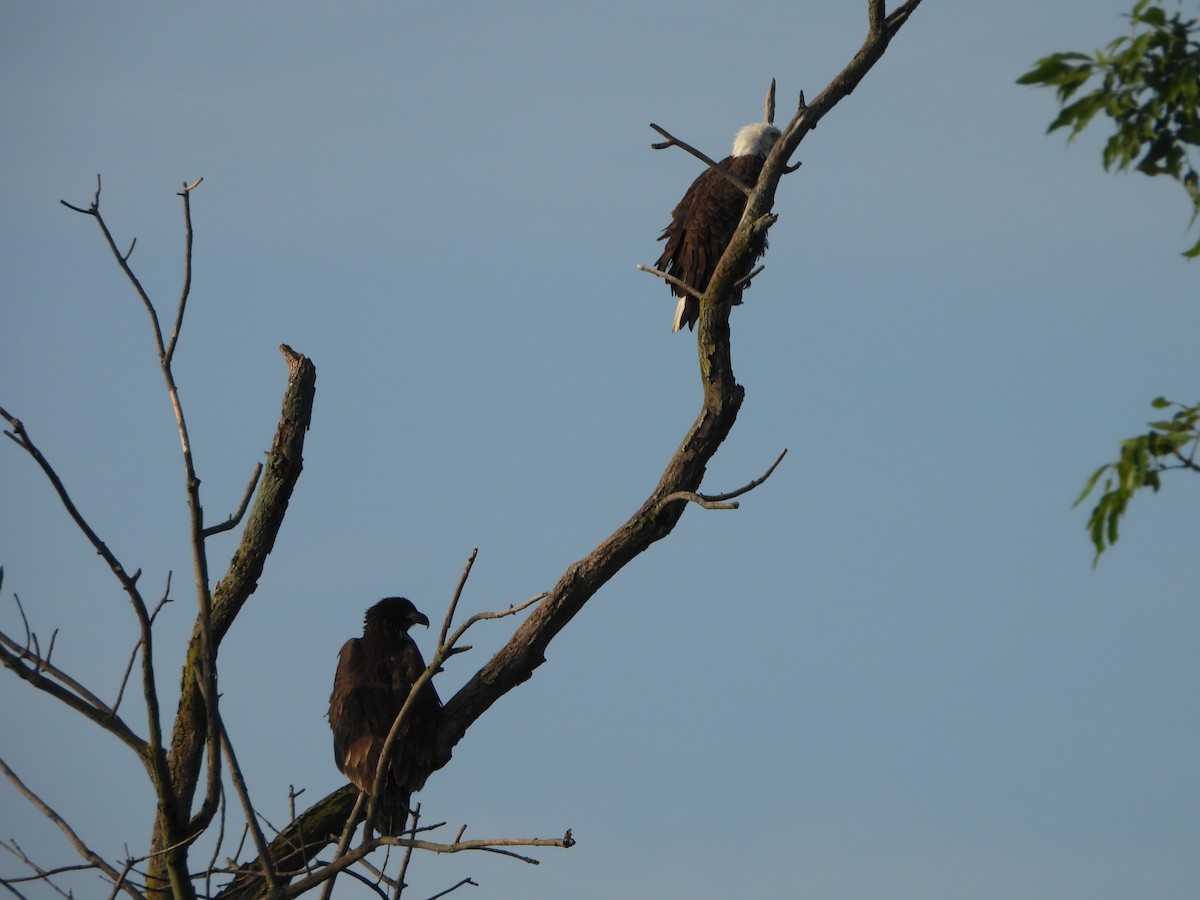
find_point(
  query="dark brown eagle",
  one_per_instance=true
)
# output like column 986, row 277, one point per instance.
column 374, row 676
column 704, row 221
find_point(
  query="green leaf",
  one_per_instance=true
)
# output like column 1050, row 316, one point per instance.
column 1091, row 483
column 1048, row 68
column 1153, row 16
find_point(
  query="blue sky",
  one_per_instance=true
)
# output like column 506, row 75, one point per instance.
column 892, row 673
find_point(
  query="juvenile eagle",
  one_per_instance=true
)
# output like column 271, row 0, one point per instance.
column 704, row 221
column 374, row 676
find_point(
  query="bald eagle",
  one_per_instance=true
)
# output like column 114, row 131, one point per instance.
column 374, row 676
column 703, row 223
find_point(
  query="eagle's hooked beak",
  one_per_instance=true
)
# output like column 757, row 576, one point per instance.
column 421, row 619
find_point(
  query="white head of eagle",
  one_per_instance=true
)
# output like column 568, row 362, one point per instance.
column 705, row 220
column 755, row 140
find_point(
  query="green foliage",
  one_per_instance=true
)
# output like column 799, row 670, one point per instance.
column 1150, row 88
column 1142, row 459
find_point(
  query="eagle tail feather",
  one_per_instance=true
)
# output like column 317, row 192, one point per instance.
column 681, row 315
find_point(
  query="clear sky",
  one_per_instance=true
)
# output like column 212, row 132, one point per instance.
column 893, row 673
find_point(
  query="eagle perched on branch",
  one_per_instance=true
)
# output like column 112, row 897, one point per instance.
column 375, row 674
column 703, row 223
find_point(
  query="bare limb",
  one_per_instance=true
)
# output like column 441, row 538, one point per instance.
column 455, row 887
column 20, row 435
column 412, row 834
column 717, row 501
column 28, row 666
column 45, row 875
column 672, row 141
column 462, row 582
column 216, row 851
column 750, row 276
column 80, row 847
column 123, row 261
column 356, row 815
column 239, row 784
column 344, row 862
column 671, row 280
column 283, row 467
column 169, row 825
column 129, row 863
column 166, row 598
column 232, row 521
column 876, row 19
column 151, row 753
column 186, row 194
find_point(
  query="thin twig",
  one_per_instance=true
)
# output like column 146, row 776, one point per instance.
column 453, row 888
column 46, row 875
column 124, row 873
column 80, row 847
column 233, row 520
column 672, row 141
column 123, row 262
column 216, row 851
column 750, row 276
column 151, row 754
column 342, row 863
column 43, row 666
column 163, row 601
column 352, row 820
column 412, row 831
column 239, row 783
column 717, row 501
column 671, row 280
column 462, row 581
column 47, row 678
column 186, row 194
column 160, row 775
column 21, row 435
column 298, row 825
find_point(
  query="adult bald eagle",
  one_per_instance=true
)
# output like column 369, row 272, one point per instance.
column 703, row 223
column 374, row 676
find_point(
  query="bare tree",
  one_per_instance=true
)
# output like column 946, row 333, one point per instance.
column 184, row 755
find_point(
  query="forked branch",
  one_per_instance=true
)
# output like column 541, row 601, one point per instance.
column 657, row 516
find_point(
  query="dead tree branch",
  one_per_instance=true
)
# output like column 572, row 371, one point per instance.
column 671, row 280
column 672, row 141
column 234, row 520
column 81, row 848
column 722, row 397
column 282, row 470
column 657, row 516
column 175, row 775
column 718, row 501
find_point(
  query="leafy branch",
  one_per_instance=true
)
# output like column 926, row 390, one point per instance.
column 1150, row 88
column 1170, row 444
